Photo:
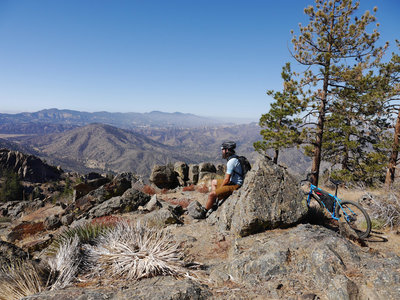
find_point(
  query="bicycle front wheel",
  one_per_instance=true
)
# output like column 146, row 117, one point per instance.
column 355, row 216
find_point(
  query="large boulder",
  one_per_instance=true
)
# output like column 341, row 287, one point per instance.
column 269, row 198
column 182, row 171
column 193, row 174
column 308, row 260
column 164, row 177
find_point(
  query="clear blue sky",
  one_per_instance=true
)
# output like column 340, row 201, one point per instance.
column 207, row 57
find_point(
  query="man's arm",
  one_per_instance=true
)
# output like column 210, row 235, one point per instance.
column 227, row 179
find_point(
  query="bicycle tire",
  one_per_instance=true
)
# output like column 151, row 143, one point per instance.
column 355, row 216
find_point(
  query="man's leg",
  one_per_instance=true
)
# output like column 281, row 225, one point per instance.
column 211, row 200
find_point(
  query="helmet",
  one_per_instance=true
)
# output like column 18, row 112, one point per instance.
column 228, row 145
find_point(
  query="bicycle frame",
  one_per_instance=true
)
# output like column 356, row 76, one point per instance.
column 312, row 192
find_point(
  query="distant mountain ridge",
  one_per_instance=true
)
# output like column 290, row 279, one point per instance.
column 102, row 147
column 56, row 120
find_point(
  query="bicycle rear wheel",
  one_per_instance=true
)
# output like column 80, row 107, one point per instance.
column 355, row 216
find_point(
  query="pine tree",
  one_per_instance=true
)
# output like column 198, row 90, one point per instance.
column 356, row 127
column 332, row 39
column 391, row 71
column 11, row 187
column 280, row 129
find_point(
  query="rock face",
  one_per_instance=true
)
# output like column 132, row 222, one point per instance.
column 28, row 167
column 269, row 198
column 309, row 259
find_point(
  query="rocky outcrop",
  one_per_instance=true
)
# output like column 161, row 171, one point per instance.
column 115, row 188
column 309, row 259
column 269, row 198
column 129, row 201
column 181, row 174
column 28, row 167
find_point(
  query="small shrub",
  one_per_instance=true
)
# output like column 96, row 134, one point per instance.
column 106, row 221
column 189, row 188
column 148, row 190
column 385, row 210
column 86, row 234
column 202, row 189
column 5, row 219
column 182, row 202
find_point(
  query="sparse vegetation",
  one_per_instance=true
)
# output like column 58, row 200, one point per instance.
column 86, row 234
column 20, row 279
column 134, row 251
column 189, row 188
column 202, row 189
column 385, row 211
column 148, row 190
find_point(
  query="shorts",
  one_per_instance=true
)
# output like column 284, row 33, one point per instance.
column 225, row 191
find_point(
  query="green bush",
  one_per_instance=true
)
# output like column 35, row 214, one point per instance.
column 11, row 188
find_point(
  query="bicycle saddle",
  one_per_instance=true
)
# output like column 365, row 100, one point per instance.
column 335, row 182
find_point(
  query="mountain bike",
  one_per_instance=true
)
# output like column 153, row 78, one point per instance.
column 340, row 210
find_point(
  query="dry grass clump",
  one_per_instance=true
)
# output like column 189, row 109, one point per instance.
column 65, row 265
column 19, row 279
column 134, row 251
column 385, row 209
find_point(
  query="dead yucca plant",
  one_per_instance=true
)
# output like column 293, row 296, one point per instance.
column 134, row 251
column 20, row 279
column 65, row 264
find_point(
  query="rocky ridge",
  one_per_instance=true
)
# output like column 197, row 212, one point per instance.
column 259, row 244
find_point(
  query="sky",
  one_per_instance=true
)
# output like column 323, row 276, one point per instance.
column 213, row 58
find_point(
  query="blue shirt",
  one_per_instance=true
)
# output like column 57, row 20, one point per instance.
column 234, row 169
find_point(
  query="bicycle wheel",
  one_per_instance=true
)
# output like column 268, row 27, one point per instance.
column 355, row 216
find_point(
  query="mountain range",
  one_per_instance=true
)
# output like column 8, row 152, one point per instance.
column 71, row 141
column 56, row 120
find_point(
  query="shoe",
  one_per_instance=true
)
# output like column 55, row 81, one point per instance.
column 209, row 212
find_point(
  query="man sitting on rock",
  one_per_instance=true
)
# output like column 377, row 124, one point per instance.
column 223, row 188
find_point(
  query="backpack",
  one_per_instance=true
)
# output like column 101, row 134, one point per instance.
column 244, row 163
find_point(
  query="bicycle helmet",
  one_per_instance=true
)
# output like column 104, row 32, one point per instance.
column 228, row 145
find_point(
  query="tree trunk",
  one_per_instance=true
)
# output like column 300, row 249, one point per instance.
column 394, row 154
column 316, row 162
